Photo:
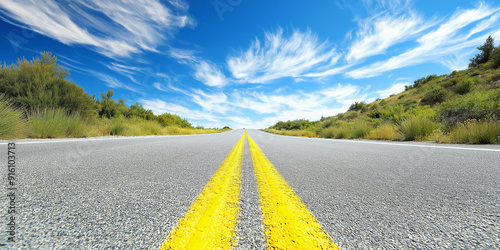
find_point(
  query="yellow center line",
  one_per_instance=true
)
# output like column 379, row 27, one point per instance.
column 288, row 222
column 211, row 220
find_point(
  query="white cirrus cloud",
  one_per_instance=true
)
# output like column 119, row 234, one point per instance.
column 377, row 33
column 129, row 26
column 205, row 71
column 217, row 102
column 279, row 56
column 209, row 74
column 396, row 88
column 447, row 39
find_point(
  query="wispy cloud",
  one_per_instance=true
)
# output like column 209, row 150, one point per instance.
column 130, row 27
column 216, row 102
column 260, row 102
column 397, row 87
column 381, row 31
column 209, row 74
column 205, row 71
column 112, row 82
column 280, row 56
column 444, row 40
column 122, row 69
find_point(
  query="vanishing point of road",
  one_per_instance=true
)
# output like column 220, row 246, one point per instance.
column 252, row 190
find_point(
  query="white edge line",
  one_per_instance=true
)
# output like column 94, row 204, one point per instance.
column 420, row 145
column 38, row 141
column 393, row 144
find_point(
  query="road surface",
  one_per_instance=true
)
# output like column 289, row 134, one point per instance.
column 130, row 193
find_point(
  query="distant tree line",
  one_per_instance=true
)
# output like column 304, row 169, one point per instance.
column 41, row 83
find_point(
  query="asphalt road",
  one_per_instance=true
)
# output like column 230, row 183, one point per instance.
column 129, row 193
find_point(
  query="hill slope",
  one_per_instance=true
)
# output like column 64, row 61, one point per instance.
column 462, row 107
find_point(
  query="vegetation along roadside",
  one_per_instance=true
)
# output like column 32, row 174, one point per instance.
column 461, row 107
column 37, row 101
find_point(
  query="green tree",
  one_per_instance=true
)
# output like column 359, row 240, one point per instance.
column 484, row 56
column 107, row 107
column 495, row 57
column 167, row 119
column 137, row 110
column 42, row 83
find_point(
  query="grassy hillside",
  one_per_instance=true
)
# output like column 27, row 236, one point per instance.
column 37, row 101
column 462, row 107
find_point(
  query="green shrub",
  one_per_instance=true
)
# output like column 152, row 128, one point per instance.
column 12, row 124
column 328, row 122
column 358, row 106
column 343, row 133
column 55, row 123
column 434, row 96
column 151, row 127
column 329, row 132
column 384, row 132
column 292, row 125
column 424, row 80
column 475, row 105
column 464, row 87
column 417, row 128
column 494, row 77
column 350, row 115
column 476, row 132
column 408, row 103
column 361, row 129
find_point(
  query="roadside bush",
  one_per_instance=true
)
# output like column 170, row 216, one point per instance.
column 417, row 128
column 292, row 125
column 329, row 132
column 117, row 129
column 328, row 123
column 476, row 132
column 361, row 129
column 55, row 123
column 151, row 127
column 12, row 124
column 476, row 105
column 438, row 136
column 384, row 132
column 343, row 132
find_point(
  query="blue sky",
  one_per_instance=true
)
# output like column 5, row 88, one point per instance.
column 247, row 63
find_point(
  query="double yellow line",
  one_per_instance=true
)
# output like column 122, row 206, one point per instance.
column 211, row 220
